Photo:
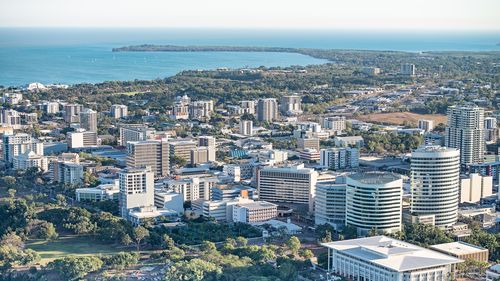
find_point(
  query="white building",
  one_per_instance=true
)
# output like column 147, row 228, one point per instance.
column 291, row 105
column 81, row 138
column 66, row 172
column 119, row 111
column 374, row 201
column 388, row 259
column 30, row 160
column 248, row 106
column 356, row 141
column 339, row 158
column 201, row 110
column 335, row 124
column 465, row 131
column 267, row 110
column 136, row 132
column 246, row 127
column 330, row 203
column 426, row 125
column 257, row 211
column 289, row 185
column 88, row 120
column 169, row 200
column 12, row 98
column 434, row 182
column 474, row 187
column 17, row 144
column 407, row 69
column 101, row 192
column 136, row 189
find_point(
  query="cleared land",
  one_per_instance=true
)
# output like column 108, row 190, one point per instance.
column 398, row 118
column 71, row 245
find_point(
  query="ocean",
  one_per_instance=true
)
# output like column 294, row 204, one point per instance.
column 83, row 55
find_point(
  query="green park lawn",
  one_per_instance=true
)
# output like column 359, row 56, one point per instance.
column 71, row 245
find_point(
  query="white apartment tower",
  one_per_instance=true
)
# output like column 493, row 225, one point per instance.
column 88, row 120
column 246, row 127
column 291, row 105
column 330, row 204
column 119, row 111
column 338, row 158
column 434, row 181
column 152, row 153
column 21, row 143
column 465, row 131
column 267, row 110
column 136, row 189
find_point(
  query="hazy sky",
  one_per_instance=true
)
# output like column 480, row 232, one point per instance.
column 330, row 14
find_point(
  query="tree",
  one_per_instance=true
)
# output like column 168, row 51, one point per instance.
column 208, row 247
column 61, row 200
column 193, row 270
column 178, row 161
column 168, row 242
column 293, row 244
column 140, row 233
column 306, row 254
column 241, row 241
column 75, row 268
column 122, row 260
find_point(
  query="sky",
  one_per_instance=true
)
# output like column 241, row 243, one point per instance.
column 277, row 14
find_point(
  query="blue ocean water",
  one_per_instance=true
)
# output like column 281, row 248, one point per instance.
column 80, row 55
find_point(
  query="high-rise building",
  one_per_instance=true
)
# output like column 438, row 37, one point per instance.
column 434, row 183
column 308, row 143
column 134, row 132
column 49, row 107
column 66, row 172
column 407, row 69
column 465, row 131
column 136, row 189
column 72, row 112
column 119, row 111
column 491, row 130
column 246, row 127
column 151, row 153
column 201, row 110
column 88, row 120
column 81, row 138
column 181, row 149
column 474, row 187
column 329, row 203
column 10, row 117
column 339, row 158
column 181, row 107
column 209, row 143
column 17, row 144
column 248, row 106
column 335, row 123
column 426, row 125
column 374, row 201
column 288, row 184
column 291, row 105
column 201, row 155
column 30, row 160
column 267, row 110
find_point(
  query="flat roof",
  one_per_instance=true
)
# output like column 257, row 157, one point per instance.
column 391, row 253
column 375, row 177
column 458, row 248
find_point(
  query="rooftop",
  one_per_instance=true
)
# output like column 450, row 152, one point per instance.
column 391, row 253
column 457, row 248
column 375, row 177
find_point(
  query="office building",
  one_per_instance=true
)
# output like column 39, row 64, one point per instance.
column 248, row 107
column 151, row 153
column 491, row 130
column 465, row 131
column 88, row 120
column 136, row 189
column 291, row 105
column 388, row 259
column 474, row 187
column 462, row 250
column 72, row 112
column 335, row 124
column 267, row 110
column 407, row 69
column 201, row 110
column 118, row 111
column 330, row 203
column 426, row 125
column 374, row 202
column 49, row 107
column 339, row 158
column 308, row 143
column 10, row 117
column 371, row 71
column 201, row 155
column 17, row 144
column 228, row 192
column 294, row 185
column 257, row 211
column 30, row 160
column 102, row 192
column 311, row 155
column 246, row 127
column 209, row 143
column 356, row 141
column 66, row 173
column 81, row 138
column 181, row 149
column 169, row 200
column 434, row 183
column 134, row 132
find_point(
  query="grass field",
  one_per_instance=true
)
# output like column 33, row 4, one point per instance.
column 397, row 118
column 127, row 93
column 70, row 245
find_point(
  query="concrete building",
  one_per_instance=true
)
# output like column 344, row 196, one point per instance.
column 49, row 107
column 136, row 132
column 181, row 108
column 308, row 143
column 81, row 138
column 246, row 127
column 372, row 71
column 151, row 153
column 339, row 158
column 72, row 112
column 20, row 143
column 356, row 141
column 248, row 106
column 136, row 189
column 118, row 111
column 291, row 105
column 66, row 172
column 309, row 154
column 294, row 185
column 254, row 211
column 88, row 120
column 10, row 117
column 465, row 131
column 426, row 125
column 201, row 155
column 493, row 273
column 462, row 250
column 267, row 110
column 407, row 69
column 181, row 149
column 335, row 123
column 388, row 259
column 229, row 192
column 169, row 200
column 474, row 187
column 330, row 203
column 12, row 98
column 208, row 142
column 102, row 192
column 201, row 110
column 30, row 160
column 374, row 201
column 491, row 132
column 434, row 182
